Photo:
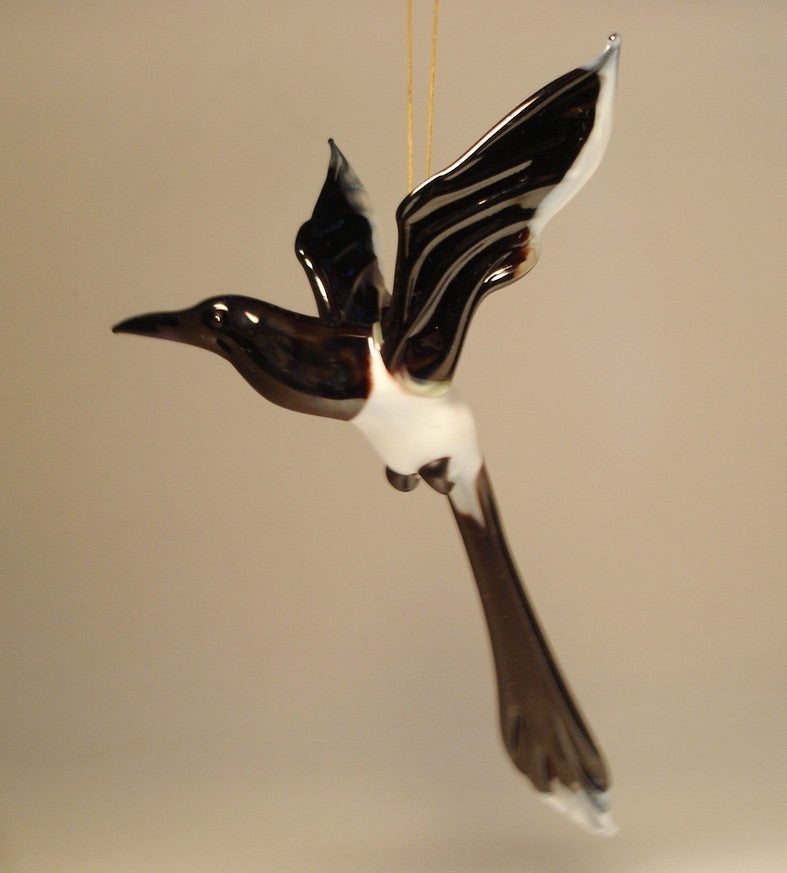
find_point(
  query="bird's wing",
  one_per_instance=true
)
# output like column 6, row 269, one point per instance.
column 335, row 247
column 543, row 730
column 474, row 226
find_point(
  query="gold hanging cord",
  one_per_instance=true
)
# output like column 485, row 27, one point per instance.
column 430, row 102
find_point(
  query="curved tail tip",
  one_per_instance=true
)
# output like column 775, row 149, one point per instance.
column 589, row 811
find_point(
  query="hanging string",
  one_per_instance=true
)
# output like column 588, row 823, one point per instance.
column 409, row 95
column 432, row 69
column 430, row 101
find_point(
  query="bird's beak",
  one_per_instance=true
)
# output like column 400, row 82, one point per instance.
column 166, row 325
column 184, row 326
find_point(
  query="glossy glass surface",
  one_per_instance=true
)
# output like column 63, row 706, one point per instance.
column 543, row 729
column 293, row 360
column 335, row 249
column 469, row 229
column 385, row 361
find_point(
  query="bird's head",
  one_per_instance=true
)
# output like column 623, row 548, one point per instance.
column 219, row 324
column 293, row 360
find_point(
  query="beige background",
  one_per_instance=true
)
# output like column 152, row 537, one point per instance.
column 226, row 643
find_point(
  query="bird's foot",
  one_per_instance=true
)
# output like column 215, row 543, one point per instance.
column 435, row 474
column 402, row 481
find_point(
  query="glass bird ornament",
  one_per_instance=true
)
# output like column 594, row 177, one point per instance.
column 386, row 361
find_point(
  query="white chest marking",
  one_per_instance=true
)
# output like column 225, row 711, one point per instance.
column 409, row 430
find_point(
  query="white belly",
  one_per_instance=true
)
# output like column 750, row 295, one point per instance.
column 409, row 430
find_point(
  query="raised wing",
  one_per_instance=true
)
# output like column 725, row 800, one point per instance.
column 336, row 249
column 474, row 226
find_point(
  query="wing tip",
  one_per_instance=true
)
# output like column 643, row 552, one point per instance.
column 608, row 57
column 612, row 48
column 590, row 810
column 337, row 161
column 611, row 54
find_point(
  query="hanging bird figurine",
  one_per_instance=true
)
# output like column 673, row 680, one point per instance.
column 385, row 362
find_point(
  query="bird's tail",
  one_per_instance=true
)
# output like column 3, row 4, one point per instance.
column 543, row 729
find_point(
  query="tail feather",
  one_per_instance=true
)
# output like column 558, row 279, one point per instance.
column 543, row 729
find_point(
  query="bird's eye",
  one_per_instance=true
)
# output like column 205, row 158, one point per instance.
column 217, row 313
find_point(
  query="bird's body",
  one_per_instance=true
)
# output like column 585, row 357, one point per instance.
column 412, row 426
column 385, row 362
